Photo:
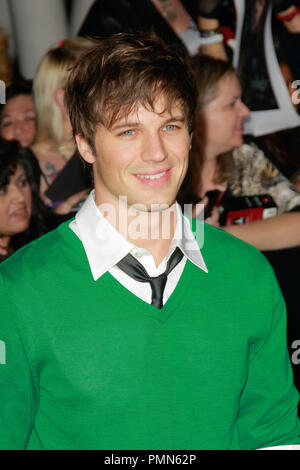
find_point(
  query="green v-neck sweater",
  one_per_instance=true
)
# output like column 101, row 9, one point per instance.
column 86, row 364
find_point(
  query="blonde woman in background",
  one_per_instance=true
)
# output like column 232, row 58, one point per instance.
column 54, row 145
column 220, row 159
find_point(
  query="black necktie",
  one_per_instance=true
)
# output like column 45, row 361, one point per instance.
column 134, row 269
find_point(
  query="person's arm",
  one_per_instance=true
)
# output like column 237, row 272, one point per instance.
column 17, row 388
column 66, row 206
column 208, row 20
column 275, row 233
column 268, row 404
column 288, row 13
column 216, row 50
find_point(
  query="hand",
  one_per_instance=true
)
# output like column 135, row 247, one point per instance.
column 198, row 213
column 4, row 245
column 213, row 219
column 66, row 206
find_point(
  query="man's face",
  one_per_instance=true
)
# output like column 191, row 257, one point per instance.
column 143, row 156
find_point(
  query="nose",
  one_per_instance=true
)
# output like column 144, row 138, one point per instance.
column 244, row 110
column 16, row 194
column 154, row 148
column 19, row 128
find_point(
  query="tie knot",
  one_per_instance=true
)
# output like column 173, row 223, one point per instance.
column 136, row 270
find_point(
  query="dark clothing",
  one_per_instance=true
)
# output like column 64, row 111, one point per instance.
column 72, row 179
column 35, row 167
column 212, row 8
column 118, row 16
column 286, row 264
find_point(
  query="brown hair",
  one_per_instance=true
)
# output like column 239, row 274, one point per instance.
column 122, row 72
column 207, row 74
column 6, row 69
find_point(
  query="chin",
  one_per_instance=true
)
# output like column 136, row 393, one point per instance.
column 150, row 207
column 239, row 141
column 21, row 228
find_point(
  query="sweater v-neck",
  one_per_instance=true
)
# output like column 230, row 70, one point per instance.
column 111, row 285
column 175, row 301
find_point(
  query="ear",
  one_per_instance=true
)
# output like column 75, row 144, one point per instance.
column 84, row 149
column 59, row 96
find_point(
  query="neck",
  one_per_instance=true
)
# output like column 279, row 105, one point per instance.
column 157, row 234
column 153, row 231
column 66, row 145
column 67, row 138
column 67, row 135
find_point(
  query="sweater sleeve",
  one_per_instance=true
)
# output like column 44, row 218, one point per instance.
column 17, row 389
column 268, row 405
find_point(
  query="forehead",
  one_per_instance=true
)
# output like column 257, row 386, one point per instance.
column 18, row 103
column 19, row 171
column 16, row 173
column 160, row 108
column 228, row 87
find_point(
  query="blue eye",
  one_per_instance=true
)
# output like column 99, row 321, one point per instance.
column 170, row 127
column 128, row 132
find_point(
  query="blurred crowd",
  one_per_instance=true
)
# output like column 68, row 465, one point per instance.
column 249, row 184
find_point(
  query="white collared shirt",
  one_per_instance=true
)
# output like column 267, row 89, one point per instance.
column 105, row 247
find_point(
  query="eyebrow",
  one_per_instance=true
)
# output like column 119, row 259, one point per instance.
column 20, row 175
column 180, row 118
column 24, row 112
column 233, row 98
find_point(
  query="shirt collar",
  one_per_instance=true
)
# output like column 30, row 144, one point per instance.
column 93, row 229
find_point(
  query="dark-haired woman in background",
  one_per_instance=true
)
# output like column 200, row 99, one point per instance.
column 18, row 119
column 17, row 115
column 23, row 216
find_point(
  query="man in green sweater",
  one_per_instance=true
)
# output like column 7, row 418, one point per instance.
column 132, row 326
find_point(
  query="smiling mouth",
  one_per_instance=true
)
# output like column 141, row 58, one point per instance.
column 20, row 213
column 152, row 177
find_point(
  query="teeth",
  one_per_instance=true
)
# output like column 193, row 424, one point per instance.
column 152, row 177
column 20, row 211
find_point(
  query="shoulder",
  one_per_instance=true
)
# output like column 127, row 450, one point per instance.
column 43, row 254
column 222, row 249
column 239, row 278
column 248, row 153
column 218, row 241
